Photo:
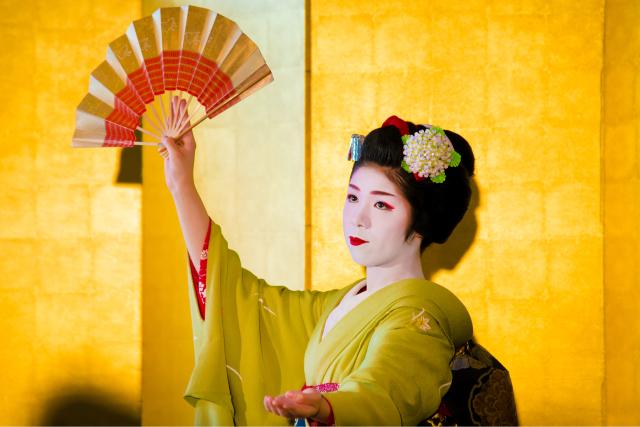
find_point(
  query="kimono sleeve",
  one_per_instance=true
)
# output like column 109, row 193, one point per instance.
column 403, row 376
column 251, row 341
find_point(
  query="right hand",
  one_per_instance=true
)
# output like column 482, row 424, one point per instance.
column 179, row 155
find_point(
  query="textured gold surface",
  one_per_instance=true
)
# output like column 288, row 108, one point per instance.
column 220, row 39
column 196, row 19
column 95, row 106
column 621, row 211
column 145, row 32
column 69, row 238
column 124, row 53
column 106, row 75
column 170, row 24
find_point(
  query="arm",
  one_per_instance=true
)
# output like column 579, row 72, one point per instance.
column 178, row 169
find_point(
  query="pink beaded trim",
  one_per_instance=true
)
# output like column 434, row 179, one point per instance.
column 323, row 388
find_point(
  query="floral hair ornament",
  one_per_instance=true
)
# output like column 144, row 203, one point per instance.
column 427, row 153
column 355, row 147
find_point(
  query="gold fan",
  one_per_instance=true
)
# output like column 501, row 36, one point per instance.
column 187, row 50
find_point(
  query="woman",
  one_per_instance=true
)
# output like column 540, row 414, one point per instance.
column 374, row 352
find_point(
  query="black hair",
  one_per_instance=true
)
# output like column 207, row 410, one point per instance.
column 436, row 208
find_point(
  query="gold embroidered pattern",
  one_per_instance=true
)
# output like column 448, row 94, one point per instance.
column 421, row 321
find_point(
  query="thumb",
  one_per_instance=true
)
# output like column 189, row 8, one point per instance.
column 309, row 390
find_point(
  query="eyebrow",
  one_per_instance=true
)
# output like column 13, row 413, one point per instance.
column 377, row 192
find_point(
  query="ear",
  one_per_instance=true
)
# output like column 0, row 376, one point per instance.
column 415, row 235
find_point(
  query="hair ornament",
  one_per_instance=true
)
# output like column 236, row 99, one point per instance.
column 355, row 147
column 427, row 153
column 400, row 124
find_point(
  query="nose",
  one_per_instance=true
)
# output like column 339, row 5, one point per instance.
column 361, row 217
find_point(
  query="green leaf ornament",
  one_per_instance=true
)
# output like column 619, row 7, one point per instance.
column 439, row 179
column 455, row 159
column 405, row 166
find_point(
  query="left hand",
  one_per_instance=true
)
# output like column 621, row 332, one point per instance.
column 295, row 404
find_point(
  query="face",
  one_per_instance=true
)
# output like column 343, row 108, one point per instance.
column 376, row 213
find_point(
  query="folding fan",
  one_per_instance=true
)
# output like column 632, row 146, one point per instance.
column 187, row 49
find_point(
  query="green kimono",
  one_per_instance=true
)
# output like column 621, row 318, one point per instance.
column 390, row 353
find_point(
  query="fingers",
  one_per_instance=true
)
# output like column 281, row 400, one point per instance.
column 272, row 406
column 179, row 122
column 162, row 150
column 184, row 124
column 174, row 108
column 267, row 404
column 280, row 405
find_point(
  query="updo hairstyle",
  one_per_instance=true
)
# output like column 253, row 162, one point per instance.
column 436, row 208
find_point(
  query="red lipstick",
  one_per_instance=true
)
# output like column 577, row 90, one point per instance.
column 355, row 241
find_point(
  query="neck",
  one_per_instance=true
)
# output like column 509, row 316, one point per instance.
column 380, row 276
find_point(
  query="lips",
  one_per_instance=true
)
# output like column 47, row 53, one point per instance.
column 355, row 241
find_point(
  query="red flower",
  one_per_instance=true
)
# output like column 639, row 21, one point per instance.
column 396, row 121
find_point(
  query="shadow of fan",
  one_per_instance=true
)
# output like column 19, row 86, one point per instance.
column 446, row 256
column 89, row 407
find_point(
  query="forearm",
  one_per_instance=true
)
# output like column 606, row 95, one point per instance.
column 193, row 218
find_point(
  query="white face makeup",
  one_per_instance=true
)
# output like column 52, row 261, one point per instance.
column 376, row 212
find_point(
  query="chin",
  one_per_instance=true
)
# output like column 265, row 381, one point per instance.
column 357, row 259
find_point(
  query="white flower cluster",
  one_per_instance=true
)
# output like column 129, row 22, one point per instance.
column 428, row 152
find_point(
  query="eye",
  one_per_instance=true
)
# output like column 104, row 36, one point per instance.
column 352, row 198
column 382, row 205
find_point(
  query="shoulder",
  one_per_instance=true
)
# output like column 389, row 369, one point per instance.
column 439, row 303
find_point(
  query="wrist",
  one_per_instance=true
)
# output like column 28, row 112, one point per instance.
column 323, row 411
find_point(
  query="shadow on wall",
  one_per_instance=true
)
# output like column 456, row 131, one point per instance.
column 445, row 257
column 88, row 406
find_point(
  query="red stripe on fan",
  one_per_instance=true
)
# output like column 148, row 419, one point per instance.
column 131, row 99
column 188, row 63
column 170, row 63
column 197, row 85
column 216, row 86
column 121, row 118
column 116, row 132
column 154, row 70
column 132, row 117
column 141, row 84
column 219, row 87
column 117, row 136
column 192, row 89
column 205, row 69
